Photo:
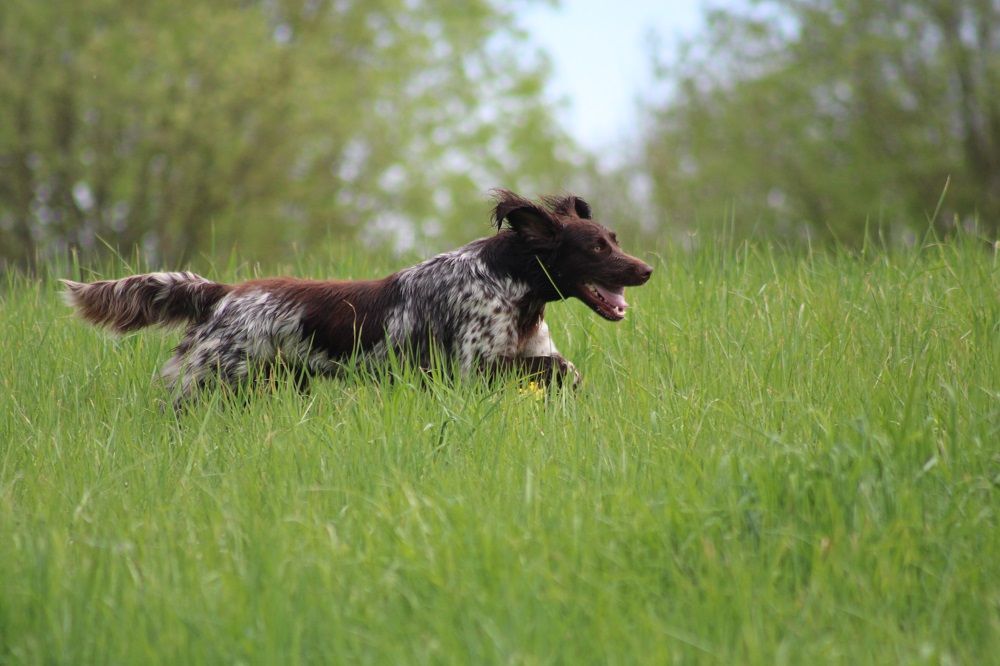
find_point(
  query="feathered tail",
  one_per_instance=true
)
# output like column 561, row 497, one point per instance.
column 144, row 300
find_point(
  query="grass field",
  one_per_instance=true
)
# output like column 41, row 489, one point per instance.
column 775, row 459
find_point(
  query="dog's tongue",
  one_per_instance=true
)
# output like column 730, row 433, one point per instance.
column 614, row 297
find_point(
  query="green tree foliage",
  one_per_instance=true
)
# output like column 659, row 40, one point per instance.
column 822, row 116
column 183, row 126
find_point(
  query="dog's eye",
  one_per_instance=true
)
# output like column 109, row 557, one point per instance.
column 599, row 246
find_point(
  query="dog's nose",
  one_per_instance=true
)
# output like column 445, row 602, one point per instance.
column 645, row 271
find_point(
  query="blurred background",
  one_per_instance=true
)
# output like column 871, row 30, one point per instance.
column 188, row 128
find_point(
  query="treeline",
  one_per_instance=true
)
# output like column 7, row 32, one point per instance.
column 183, row 126
column 186, row 127
column 819, row 118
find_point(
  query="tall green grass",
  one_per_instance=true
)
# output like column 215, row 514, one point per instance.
column 774, row 459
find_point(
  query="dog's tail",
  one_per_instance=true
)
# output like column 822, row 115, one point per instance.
column 144, row 300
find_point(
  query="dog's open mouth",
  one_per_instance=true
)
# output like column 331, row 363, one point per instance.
column 609, row 302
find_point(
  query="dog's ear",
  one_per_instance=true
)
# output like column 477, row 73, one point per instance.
column 525, row 217
column 570, row 206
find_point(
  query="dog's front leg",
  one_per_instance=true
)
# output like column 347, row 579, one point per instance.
column 560, row 369
column 538, row 346
column 543, row 369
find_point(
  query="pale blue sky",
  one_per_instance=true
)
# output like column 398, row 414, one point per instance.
column 601, row 57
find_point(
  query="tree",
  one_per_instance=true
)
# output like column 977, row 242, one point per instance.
column 818, row 117
column 180, row 126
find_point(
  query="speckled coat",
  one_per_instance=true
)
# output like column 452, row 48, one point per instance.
column 481, row 307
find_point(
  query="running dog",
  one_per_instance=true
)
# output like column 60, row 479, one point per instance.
column 481, row 306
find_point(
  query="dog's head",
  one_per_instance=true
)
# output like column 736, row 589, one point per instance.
column 580, row 257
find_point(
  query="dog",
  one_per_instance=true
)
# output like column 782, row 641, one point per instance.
column 481, row 306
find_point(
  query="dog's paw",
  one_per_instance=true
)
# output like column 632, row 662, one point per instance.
column 565, row 372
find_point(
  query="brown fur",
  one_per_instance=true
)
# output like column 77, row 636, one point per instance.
column 166, row 299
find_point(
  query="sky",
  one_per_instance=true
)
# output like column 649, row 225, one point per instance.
column 601, row 58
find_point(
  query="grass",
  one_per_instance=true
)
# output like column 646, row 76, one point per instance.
column 774, row 459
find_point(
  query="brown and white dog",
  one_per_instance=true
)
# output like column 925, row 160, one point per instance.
column 481, row 306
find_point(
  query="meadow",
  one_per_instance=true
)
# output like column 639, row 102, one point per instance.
column 778, row 457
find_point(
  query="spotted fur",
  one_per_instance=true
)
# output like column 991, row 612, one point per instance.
column 482, row 305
